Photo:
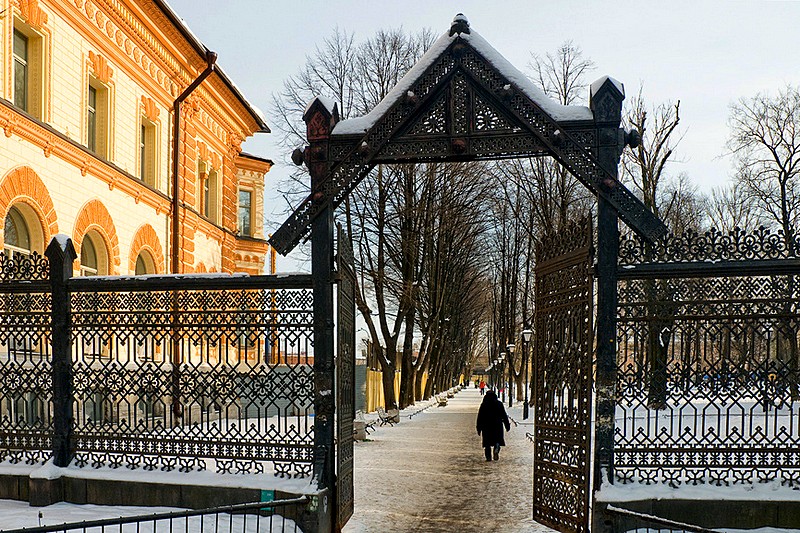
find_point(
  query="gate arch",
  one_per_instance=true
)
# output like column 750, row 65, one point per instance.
column 462, row 101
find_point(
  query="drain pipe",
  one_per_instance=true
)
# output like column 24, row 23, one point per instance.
column 177, row 408
column 211, row 60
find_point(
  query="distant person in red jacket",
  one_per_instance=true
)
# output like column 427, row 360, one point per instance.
column 482, row 386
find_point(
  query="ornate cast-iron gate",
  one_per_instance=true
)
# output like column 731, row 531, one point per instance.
column 463, row 102
column 345, row 379
column 563, row 378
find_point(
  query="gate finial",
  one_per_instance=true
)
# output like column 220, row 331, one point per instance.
column 460, row 24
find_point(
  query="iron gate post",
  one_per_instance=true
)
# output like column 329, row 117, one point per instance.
column 324, row 407
column 606, row 102
column 320, row 121
column 61, row 254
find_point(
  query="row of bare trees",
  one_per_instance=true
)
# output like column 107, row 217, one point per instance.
column 444, row 251
column 418, row 230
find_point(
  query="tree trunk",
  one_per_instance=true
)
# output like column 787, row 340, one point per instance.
column 407, row 363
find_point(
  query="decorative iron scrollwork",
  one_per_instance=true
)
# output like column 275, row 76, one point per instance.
column 563, row 377
column 162, row 379
column 708, row 376
column 712, row 245
column 19, row 267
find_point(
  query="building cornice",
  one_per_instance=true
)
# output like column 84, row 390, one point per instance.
column 158, row 55
column 54, row 143
column 252, row 163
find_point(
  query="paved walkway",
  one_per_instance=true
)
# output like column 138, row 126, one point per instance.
column 428, row 474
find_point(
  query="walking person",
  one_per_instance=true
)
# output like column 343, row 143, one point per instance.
column 491, row 419
column 482, row 386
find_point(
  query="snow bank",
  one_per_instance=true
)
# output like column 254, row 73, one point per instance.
column 629, row 492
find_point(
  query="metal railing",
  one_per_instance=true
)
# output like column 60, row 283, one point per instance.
column 196, row 372
column 708, row 380
column 635, row 522
column 259, row 517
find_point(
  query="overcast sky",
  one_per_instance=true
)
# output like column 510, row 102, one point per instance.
column 704, row 53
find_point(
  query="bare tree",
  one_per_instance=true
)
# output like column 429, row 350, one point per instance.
column 765, row 142
column 357, row 76
column 646, row 165
column 675, row 202
column 729, row 207
column 683, row 206
column 562, row 75
column 535, row 196
column 328, row 72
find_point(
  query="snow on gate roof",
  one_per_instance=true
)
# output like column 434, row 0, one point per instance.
column 361, row 125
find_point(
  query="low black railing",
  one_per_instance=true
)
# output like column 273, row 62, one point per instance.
column 260, row 517
column 634, row 522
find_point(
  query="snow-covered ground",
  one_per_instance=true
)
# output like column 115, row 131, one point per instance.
column 428, row 474
column 14, row 515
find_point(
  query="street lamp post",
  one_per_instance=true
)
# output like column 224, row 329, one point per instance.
column 526, row 338
column 510, row 349
column 502, row 373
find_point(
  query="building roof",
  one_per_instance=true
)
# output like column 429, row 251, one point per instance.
column 202, row 50
column 256, row 157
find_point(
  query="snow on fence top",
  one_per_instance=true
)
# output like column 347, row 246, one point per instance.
column 559, row 112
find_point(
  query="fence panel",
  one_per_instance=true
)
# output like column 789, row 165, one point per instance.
column 169, row 373
column 26, row 401
column 708, row 378
column 195, row 378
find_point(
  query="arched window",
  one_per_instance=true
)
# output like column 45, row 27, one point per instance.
column 88, row 258
column 94, row 262
column 94, row 258
column 150, row 349
column 145, row 264
column 17, row 236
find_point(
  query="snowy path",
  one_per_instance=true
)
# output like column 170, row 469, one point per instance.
column 428, row 474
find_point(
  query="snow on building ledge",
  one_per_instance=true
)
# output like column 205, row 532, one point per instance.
column 631, row 492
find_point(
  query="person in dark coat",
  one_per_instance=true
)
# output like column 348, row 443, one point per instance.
column 491, row 419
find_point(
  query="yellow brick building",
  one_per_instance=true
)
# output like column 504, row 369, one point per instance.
column 89, row 132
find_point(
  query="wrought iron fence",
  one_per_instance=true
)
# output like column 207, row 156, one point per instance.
column 26, row 401
column 708, row 365
column 260, row 517
column 171, row 373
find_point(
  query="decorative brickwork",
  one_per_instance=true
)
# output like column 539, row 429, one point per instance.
column 147, row 239
column 24, row 185
column 32, row 13
column 95, row 216
column 151, row 110
column 100, row 67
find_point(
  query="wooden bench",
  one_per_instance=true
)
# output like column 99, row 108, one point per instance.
column 441, row 400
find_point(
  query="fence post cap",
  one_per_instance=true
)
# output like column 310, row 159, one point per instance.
column 61, row 247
